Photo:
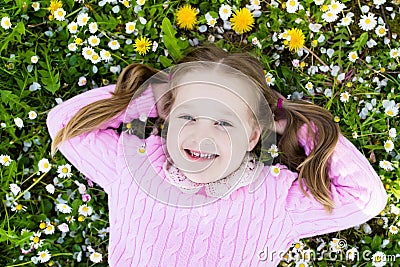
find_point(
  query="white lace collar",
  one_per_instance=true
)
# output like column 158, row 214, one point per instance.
column 244, row 175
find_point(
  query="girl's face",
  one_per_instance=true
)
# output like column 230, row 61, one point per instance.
column 210, row 128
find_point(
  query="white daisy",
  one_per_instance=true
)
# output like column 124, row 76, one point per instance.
column 292, row 6
column 270, row 79
column 72, row 47
column 95, row 58
column 273, row 150
column 44, row 256
column 5, row 160
column 353, row 56
column 35, row 6
column 36, row 242
column 319, row 2
column 140, row 2
column 392, row 132
column 225, row 11
column 367, row 22
column 44, row 165
column 93, row 27
column 82, row 19
column 386, row 165
column 19, row 122
column 388, row 145
column 345, row 96
column 82, row 81
column 378, row 259
column 94, row 40
column 378, row 3
column 329, row 16
column 85, row 210
column 210, row 20
column 49, row 229
column 64, row 171
column 113, row 44
column 64, row 208
column 73, row 27
column 275, row 170
column 380, row 31
column 394, row 53
column 6, row 23
column 392, row 110
column 96, row 257
column 15, row 189
column 87, row 52
column 393, row 229
column 130, row 27
column 346, row 21
column 59, row 14
column 32, row 115
column 34, row 59
column 50, row 188
column 63, row 228
column 336, row 7
column 309, row 86
column 105, row 55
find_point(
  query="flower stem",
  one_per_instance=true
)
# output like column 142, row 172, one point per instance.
column 317, row 57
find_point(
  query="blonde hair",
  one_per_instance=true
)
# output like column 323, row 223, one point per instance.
column 312, row 169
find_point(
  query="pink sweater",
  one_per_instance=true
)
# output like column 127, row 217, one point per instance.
column 247, row 229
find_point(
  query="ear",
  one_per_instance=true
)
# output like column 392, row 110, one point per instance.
column 254, row 137
column 159, row 90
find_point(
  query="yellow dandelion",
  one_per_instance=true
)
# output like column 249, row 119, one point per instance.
column 142, row 45
column 54, row 5
column 242, row 21
column 296, row 39
column 186, row 17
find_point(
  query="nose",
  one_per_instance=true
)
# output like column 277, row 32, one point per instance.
column 203, row 135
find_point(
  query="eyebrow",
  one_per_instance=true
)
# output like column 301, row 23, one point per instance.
column 224, row 112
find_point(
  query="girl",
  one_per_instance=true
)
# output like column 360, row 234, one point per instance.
column 196, row 194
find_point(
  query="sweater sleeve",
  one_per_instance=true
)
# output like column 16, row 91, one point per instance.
column 94, row 153
column 356, row 189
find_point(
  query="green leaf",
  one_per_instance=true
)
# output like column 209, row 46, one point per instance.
column 361, row 41
column 170, row 41
column 166, row 62
column 376, row 242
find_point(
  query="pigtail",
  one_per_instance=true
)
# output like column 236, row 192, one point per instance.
column 313, row 169
column 96, row 113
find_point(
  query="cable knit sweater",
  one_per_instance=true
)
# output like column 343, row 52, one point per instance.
column 246, row 229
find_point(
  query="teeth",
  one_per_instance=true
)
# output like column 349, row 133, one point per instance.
column 202, row 155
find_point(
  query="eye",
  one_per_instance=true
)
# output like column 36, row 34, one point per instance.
column 224, row 123
column 187, row 117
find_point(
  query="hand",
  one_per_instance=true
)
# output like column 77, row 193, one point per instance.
column 279, row 126
column 158, row 91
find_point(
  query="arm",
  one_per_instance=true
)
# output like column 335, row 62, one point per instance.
column 356, row 190
column 94, row 153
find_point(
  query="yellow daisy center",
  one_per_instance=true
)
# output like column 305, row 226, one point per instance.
column 36, row 240
column 367, row 21
column 292, row 3
column 19, row 207
column 390, row 112
column 65, row 170
column 42, row 225
column 5, row 160
column 46, row 165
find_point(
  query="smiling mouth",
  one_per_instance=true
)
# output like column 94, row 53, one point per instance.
column 198, row 155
